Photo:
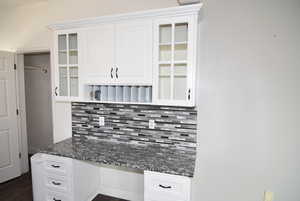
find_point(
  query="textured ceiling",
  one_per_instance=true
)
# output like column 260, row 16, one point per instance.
column 15, row 3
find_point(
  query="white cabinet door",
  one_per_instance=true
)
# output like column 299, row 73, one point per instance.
column 99, row 55
column 175, row 41
column 67, row 64
column 133, row 53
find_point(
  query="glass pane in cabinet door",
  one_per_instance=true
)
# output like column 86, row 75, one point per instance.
column 63, row 81
column 180, row 81
column 181, row 33
column 165, row 53
column 73, row 41
column 73, row 81
column 62, row 57
column 165, row 34
column 73, row 86
column 164, row 81
column 73, row 57
column 180, row 52
column 62, row 42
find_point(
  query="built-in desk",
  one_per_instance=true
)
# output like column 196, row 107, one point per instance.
column 69, row 169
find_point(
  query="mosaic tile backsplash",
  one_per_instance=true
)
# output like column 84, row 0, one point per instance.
column 174, row 126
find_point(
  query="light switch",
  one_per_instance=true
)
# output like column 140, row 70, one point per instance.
column 269, row 196
column 101, row 121
column 151, row 124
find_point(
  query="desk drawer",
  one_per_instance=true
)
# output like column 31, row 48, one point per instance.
column 55, row 196
column 58, row 183
column 58, row 165
column 159, row 186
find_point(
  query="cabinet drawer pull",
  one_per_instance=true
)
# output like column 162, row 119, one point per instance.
column 111, row 73
column 189, row 94
column 54, row 199
column 162, row 186
column 55, row 166
column 56, row 183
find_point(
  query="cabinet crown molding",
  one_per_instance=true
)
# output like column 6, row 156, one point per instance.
column 156, row 13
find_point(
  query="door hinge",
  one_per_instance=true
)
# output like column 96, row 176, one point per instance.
column 15, row 66
column 20, row 155
column 17, row 111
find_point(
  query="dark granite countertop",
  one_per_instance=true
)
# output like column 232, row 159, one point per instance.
column 151, row 157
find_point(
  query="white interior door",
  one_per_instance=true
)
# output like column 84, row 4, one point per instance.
column 9, row 147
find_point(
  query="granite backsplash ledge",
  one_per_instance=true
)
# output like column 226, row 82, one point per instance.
column 174, row 126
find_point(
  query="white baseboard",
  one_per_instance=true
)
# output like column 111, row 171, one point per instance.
column 132, row 196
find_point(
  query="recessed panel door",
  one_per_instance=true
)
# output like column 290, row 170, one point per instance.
column 9, row 147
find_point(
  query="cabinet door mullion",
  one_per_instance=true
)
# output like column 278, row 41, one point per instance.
column 68, row 66
column 172, row 61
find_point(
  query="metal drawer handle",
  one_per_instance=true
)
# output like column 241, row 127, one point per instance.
column 55, row 91
column 55, row 166
column 56, row 183
column 162, row 186
column 189, row 94
column 54, row 199
column 111, row 73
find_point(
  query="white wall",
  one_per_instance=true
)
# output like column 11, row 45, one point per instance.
column 249, row 131
column 38, row 102
column 24, row 27
column 248, row 90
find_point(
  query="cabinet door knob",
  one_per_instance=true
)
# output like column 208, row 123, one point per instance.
column 111, row 73
column 189, row 94
column 55, row 91
column 162, row 186
column 117, row 76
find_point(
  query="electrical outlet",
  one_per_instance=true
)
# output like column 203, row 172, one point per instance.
column 101, row 121
column 269, row 196
column 151, row 124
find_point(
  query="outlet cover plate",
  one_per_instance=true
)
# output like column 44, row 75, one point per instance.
column 151, row 124
column 101, row 121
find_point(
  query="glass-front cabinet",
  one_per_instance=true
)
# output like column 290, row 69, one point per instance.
column 67, row 65
column 174, row 61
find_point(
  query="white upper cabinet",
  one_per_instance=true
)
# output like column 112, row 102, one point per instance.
column 154, row 50
column 133, row 53
column 98, row 55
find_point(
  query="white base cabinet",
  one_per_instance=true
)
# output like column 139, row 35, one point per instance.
column 57, row 178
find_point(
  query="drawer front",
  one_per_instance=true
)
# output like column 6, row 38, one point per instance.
column 56, row 183
column 166, row 187
column 58, row 165
column 54, row 196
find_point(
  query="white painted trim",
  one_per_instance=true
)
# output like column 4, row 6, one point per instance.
column 33, row 50
column 22, row 127
column 156, row 13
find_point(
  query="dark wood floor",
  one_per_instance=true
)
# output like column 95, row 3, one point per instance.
column 20, row 189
